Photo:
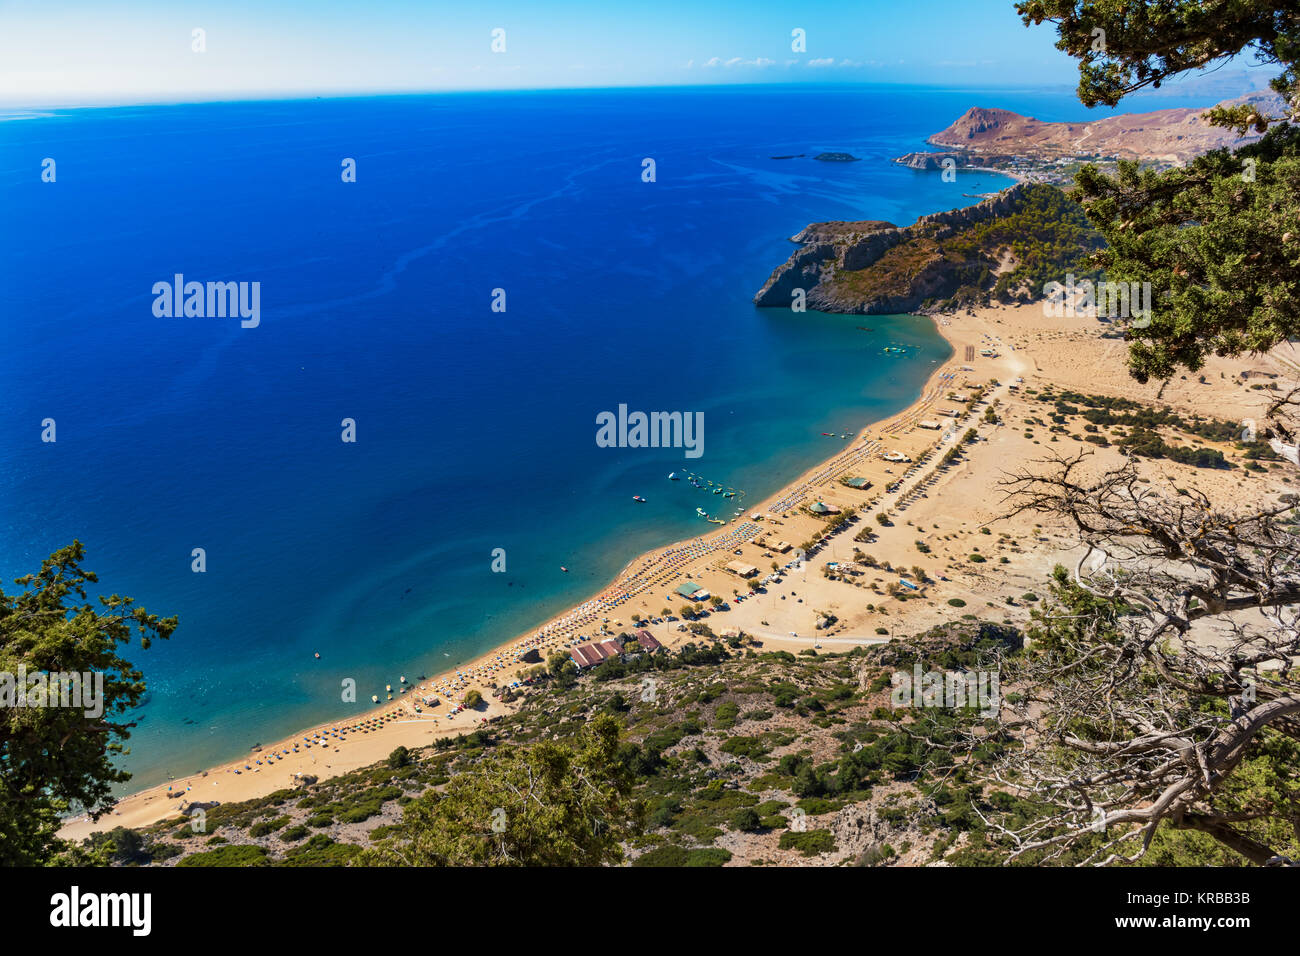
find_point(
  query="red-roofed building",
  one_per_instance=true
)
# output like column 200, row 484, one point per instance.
column 647, row 642
column 589, row 655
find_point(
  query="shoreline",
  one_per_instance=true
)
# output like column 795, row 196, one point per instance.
column 946, row 508
column 379, row 723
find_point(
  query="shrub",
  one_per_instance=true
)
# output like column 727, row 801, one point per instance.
column 263, row 827
column 809, row 843
column 230, row 855
column 726, row 714
column 708, row 856
column 750, row 747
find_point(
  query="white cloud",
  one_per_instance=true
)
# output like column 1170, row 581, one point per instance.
column 759, row 62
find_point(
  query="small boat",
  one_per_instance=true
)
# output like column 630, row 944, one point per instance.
column 374, row 698
column 562, row 568
column 673, row 476
column 829, row 434
column 700, row 512
column 728, row 494
column 637, row 498
column 717, row 490
column 863, row 328
column 893, row 350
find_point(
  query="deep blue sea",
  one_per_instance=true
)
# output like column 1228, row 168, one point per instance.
column 475, row 428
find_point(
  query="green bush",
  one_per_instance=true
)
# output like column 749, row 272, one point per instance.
column 746, row 820
column 680, row 856
column 809, row 843
column 229, row 855
column 751, row 747
column 263, row 827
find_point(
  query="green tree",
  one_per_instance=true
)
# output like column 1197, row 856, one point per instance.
column 551, row 803
column 121, row 845
column 1143, row 43
column 1219, row 239
column 557, row 663
column 53, row 758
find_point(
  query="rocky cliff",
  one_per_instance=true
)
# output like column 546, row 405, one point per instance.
column 874, row 267
column 930, row 161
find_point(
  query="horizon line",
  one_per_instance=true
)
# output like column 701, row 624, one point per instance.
column 280, row 96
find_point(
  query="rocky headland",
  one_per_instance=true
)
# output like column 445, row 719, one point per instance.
column 874, row 267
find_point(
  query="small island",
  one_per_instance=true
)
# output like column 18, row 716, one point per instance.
column 837, row 158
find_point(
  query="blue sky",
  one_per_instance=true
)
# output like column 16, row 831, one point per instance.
column 105, row 51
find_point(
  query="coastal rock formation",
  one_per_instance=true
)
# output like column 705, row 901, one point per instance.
column 929, row 161
column 1172, row 135
column 832, row 252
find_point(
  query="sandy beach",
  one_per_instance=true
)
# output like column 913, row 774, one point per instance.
column 940, row 516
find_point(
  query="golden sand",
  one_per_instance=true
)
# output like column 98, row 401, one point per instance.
column 947, row 509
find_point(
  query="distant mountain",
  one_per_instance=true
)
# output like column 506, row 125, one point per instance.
column 1173, row 135
column 1209, row 86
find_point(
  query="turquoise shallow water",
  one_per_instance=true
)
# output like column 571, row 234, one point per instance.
column 475, row 428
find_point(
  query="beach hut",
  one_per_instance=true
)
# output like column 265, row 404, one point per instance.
column 741, row 569
column 692, row 591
